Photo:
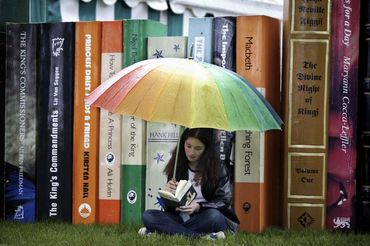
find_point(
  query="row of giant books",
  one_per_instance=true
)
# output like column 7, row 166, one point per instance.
column 97, row 150
column 54, row 119
column 20, row 122
column 117, row 161
column 81, row 132
column 51, row 132
column 257, row 155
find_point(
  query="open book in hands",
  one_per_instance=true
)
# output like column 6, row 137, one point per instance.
column 184, row 195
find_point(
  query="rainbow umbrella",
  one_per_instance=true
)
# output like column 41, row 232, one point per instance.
column 186, row 92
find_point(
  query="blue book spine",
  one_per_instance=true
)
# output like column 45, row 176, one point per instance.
column 20, row 121
column 200, row 41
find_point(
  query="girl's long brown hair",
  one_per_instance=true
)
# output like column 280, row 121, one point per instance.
column 208, row 169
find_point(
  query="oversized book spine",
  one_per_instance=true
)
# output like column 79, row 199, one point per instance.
column 161, row 138
column 55, row 121
column 20, row 122
column 224, row 34
column 132, row 169
column 342, row 145
column 200, row 41
column 257, row 155
column 86, row 123
column 305, row 86
column 224, row 46
column 363, row 167
column 110, row 130
column 133, row 166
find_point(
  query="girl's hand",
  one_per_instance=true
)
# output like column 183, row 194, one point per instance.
column 190, row 209
column 171, row 186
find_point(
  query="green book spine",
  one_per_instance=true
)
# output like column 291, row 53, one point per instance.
column 133, row 168
column 135, row 39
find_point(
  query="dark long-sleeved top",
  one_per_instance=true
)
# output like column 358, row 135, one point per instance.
column 219, row 197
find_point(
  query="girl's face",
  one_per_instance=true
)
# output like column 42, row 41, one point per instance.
column 194, row 149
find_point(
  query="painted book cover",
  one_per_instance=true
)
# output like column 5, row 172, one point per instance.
column 55, row 121
column 342, row 153
column 110, row 129
column 133, row 169
column 257, row 155
column 20, row 122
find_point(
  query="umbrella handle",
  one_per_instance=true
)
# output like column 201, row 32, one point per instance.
column 191, row 57
column 177, row 151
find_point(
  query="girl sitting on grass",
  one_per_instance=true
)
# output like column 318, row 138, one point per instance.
column 210, row 212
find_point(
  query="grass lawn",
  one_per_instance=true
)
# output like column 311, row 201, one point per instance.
column 48, row 233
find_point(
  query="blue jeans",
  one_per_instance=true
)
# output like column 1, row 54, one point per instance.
column 207, row 221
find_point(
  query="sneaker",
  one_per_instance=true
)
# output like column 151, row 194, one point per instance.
column 143, row 231
column 216, row 235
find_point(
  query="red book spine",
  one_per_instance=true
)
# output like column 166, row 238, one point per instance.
column 341, row 188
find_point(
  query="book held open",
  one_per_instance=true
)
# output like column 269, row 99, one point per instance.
column 184, row 195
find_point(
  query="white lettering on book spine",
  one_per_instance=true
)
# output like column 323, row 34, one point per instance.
column 22, row 108
column 54, row 136
column 110, row 136
column 87, row 116
column 199, row 43
column 225, row 30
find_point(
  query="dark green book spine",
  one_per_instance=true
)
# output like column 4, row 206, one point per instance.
column 20, row 121
column 135, row 39
column 55, row 119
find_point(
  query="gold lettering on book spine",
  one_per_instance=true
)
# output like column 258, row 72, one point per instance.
column 310, row 17
column 308, row 93
column 307, row 172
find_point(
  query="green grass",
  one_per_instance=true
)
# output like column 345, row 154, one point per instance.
column 48, row 233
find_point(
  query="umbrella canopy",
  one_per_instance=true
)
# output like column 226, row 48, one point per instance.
column 188, row 93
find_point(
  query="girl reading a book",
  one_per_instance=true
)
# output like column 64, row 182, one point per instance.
column 210, row 212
